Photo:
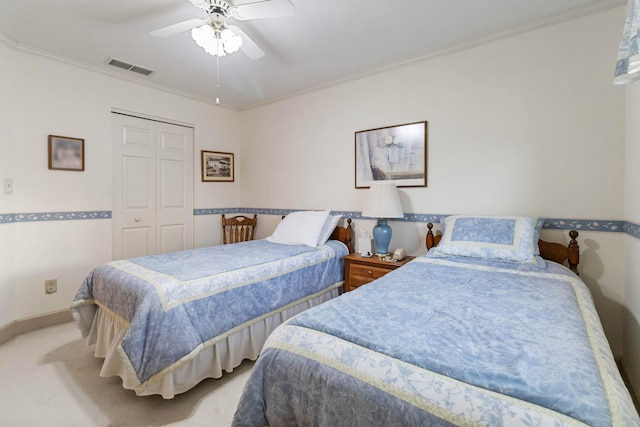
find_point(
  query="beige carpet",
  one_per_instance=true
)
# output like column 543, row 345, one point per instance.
column 50, row 377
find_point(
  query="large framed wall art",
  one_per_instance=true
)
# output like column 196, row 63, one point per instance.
column 393, row 153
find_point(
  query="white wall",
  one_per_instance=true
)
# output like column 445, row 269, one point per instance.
column 538, row 108
column 52, row 97
column 632, row 244
column 528, row 124
column 7, row 282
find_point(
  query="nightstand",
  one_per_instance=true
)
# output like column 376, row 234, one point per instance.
column 359, row 270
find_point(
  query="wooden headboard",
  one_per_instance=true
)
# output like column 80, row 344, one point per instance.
column 551, row 251
column 343, row 234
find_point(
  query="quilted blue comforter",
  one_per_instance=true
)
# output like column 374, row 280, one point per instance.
column 174, row 304
column 443, row 342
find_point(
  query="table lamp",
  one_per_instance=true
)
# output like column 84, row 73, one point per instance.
column 383, row 203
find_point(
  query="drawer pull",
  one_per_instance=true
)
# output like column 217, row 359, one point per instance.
column 370, row 272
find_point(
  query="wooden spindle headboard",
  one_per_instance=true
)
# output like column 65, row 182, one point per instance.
column 551, row 251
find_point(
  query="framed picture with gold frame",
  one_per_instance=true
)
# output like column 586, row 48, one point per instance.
column 66, row 153
column 217, row 166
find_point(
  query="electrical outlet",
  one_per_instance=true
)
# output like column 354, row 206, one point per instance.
column 51, row 286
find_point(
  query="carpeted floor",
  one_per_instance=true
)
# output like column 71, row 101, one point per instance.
column 50, row 377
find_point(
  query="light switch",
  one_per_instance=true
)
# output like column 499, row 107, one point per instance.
column 8, row 186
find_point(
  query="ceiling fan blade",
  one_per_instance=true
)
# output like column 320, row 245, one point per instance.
column 179, row 27
column 249, row 47
column 202, row 4
column 263, row 9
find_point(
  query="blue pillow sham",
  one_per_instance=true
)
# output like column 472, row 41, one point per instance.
column 495, row 238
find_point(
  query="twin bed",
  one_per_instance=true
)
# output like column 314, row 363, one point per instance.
column 164, row 323
column 480, row 331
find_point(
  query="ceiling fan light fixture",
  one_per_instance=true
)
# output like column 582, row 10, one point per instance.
column 230, row 40
column 216, row 42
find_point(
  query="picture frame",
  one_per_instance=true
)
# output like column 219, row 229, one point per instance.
column 393, row 153
column 66, row 153
column 217, row 166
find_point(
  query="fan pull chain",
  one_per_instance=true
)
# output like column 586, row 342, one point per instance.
column 217, row 78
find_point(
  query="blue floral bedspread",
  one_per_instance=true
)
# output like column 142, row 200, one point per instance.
column 174, row 304
column 443, row 342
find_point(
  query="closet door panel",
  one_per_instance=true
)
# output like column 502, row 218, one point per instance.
column 175, row 187
column 134, row 187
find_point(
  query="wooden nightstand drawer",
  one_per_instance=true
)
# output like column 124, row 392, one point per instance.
column 355, row 282
column 366, row 272
column 359, row 270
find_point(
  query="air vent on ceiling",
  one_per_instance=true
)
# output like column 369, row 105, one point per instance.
column 129, row 67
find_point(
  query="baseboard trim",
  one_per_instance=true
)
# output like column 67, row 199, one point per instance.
column 29, row 324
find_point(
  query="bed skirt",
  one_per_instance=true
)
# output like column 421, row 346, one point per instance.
column 209, row 360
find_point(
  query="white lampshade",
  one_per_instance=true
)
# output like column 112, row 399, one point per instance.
column 383, row 202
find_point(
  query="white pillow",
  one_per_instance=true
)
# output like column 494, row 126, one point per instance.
column 300, row 228
column 328, row 228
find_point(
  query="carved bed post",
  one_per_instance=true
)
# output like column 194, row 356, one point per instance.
column 348, row 239
column 573, row 253
column 430, row 241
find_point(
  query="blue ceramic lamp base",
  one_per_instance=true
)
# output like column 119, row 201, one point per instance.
column 382, row 236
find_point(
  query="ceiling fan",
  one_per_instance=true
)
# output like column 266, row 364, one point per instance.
column 217, row 37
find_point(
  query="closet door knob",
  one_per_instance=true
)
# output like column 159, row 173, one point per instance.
column 137, row 219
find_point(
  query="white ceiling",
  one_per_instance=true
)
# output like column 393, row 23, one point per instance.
column 325, row 42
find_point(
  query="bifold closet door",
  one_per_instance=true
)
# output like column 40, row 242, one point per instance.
column 174, row 183
column 152, row 187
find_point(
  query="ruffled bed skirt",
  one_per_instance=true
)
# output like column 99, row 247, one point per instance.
column 207, row 361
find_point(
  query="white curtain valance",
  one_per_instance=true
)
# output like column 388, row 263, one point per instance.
column 628, row 63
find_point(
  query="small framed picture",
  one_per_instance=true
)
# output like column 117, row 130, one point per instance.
column 394, row 153
column 217, row 166
column 65, row 153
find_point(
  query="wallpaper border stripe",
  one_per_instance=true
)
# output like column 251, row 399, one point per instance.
column 550, row 223
column 626, row 227
column 53, row 216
